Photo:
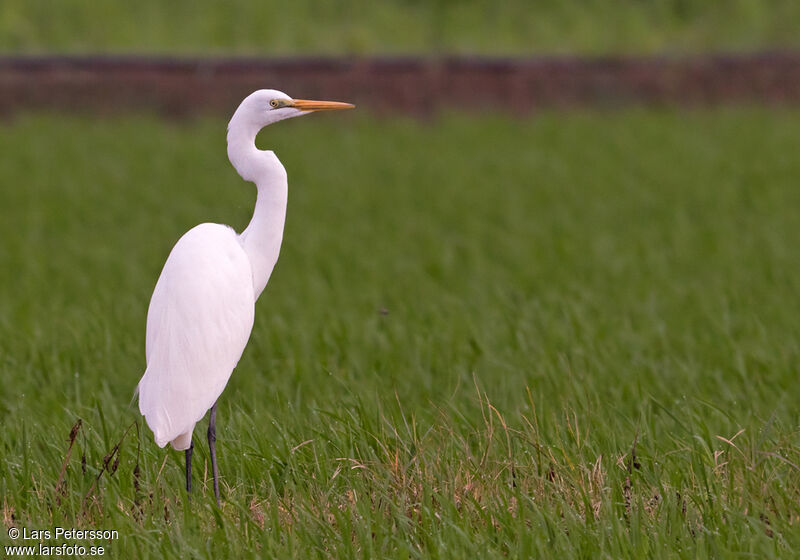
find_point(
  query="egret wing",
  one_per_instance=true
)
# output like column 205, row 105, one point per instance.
column 198, row 323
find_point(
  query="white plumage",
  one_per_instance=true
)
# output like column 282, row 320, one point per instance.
column 198, row 323
column 201, row 313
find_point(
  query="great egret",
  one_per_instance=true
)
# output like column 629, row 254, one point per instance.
column 202, row 309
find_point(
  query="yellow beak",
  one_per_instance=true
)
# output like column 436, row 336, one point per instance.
column 310, row 105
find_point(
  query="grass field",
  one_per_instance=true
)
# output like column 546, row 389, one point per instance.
column 568, row 336
column 398, row 26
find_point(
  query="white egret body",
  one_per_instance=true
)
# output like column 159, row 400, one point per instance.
column 202, row 309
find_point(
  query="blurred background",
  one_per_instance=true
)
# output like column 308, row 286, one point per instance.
column 398, row 27
column 582, row 212
column 404, row 56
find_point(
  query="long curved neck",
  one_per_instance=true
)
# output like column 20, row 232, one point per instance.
column 262, row 237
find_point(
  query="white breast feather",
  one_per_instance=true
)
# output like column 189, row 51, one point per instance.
column 198, row 323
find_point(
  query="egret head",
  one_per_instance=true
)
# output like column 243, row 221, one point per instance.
column 267, row 106
column 259, row 109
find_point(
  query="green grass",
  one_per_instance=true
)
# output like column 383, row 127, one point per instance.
column 398, row 26
column 568, row 336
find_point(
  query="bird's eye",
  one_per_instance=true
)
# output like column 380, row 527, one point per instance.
column 274, row 103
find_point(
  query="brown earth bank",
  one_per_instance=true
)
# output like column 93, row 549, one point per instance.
column 184, row 86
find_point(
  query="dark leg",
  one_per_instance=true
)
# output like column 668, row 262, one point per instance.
column 212, row 437
column 189, row 469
